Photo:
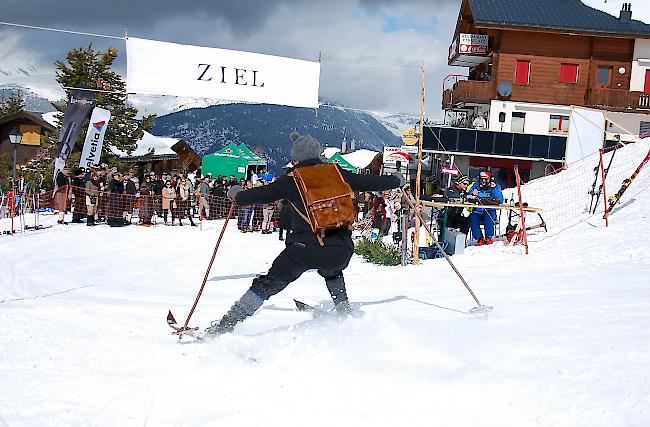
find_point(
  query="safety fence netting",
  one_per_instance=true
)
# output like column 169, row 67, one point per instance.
column 576, row 194
column 118, row 209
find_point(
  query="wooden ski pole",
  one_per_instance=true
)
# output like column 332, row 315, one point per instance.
column 480, row 307
column 185, row 329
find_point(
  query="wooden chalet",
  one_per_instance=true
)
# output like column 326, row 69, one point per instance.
column 33, row 127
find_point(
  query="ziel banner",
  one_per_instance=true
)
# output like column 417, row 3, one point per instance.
column 94, row 138
column 77, row 110
column 162, row 68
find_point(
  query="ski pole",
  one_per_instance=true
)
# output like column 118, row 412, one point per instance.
column 480, row 308
column 185, row 329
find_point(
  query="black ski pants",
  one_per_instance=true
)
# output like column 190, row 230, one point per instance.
column 295, row 259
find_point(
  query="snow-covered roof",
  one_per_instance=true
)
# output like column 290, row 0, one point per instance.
column 330, row 151
column 161, row 146
column 52, row 117
column 360, row 158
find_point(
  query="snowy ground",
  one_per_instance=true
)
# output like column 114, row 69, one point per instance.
column 84, row 339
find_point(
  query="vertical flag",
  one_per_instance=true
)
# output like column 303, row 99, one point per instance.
column 94, row 137
column 77, row 110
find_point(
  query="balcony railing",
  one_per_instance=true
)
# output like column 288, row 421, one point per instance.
column 616, row 99
column 468, row 92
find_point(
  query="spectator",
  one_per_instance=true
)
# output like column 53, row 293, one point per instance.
column 284, row 222
column 130, row 190
column 202, row 191
column 379, row 216
column 78, row 193
column 157, row 185
column 267, row 222
column 484, row 187
column 62, row 193
column 184, row 192
column 169, row 201
column 115, row 212
column 455, row 217
column 92, row 191
column 146, row 204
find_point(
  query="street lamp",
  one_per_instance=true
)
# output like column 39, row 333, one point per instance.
column 15, row 136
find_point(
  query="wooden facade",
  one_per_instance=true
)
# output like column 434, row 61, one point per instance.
column 33, row 127
column 595, row 55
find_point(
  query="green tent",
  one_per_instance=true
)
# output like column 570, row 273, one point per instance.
column 231, row 160
column 343, row 164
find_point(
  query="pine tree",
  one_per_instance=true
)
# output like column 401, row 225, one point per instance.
column 11, row 105
column 91, row 69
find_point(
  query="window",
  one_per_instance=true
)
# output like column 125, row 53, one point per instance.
column 517, row 123
column 604, row 76
column 569, row 73
column 559, row 124
column 522, row 73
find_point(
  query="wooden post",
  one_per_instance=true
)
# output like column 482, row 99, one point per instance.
column 521, row 210
column 416, row 243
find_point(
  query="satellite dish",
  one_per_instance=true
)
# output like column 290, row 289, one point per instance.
column 504, row 90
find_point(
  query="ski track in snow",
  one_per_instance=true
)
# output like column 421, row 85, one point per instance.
column 84, row 339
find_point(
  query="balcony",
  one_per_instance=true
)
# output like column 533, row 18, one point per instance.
column 618, row 100
column 468, row 92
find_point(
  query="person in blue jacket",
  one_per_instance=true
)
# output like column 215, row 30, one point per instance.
column 484, row 187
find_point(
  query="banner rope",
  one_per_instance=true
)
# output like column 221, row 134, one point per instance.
column 62, row 31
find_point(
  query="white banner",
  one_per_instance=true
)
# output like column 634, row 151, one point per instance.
column 586, row 133
column 404, row 154
column 155, row 67
column 94, row 138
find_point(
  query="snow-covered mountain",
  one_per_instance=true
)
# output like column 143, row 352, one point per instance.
column 396, row 122
column 33, row 101
column 267, row 127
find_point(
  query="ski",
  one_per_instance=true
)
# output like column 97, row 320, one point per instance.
column 316, row 312
column 600, row 188
column 179, row 330
column 616, row 197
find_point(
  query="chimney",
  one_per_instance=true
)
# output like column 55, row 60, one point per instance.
column 344, row 145
column 626, row 13
column 353, row 144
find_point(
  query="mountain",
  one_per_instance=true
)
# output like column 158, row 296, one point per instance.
column 396, row 122
column 33, row 101
column 266, row 128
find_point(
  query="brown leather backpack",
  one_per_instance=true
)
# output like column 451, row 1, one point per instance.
column 329, row 200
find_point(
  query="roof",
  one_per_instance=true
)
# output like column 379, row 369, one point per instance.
column 570, row 15
column 338, row 159
column 240, row 151
column 30, row 116
column 360, row 158
column 330, row 151
column 162, row 147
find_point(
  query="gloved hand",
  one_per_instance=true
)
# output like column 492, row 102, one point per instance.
column 232, row 192
column 401, row 178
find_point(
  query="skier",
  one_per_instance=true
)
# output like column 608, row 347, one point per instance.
column 484, row 187
column 303, row 250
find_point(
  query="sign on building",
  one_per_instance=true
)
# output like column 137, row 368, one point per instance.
column 473, row 44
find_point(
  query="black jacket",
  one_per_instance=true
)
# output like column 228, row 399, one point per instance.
column 285, row 188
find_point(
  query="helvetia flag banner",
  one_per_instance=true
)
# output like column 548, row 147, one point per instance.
column 163, row 68
column 78, row 109
column 94, row 137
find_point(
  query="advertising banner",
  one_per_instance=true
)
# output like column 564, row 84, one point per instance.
column 94, row 138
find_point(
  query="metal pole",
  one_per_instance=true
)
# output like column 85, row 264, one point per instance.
column 13, row 177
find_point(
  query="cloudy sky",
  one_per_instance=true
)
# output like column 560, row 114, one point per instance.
column 372, row 49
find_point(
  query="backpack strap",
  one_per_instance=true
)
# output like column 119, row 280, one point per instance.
column 304, row 217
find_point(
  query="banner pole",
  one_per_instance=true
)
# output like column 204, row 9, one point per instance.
column 416, row 242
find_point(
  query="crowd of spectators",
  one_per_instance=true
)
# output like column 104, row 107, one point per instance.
column 119, row 199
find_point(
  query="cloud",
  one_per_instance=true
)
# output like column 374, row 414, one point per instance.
column 371, row 49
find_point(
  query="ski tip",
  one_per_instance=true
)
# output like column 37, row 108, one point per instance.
column 170, row 318
column 302, row 306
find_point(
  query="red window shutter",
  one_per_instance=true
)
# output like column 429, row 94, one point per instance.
column 522, row 73
column 646, row 88
column 569, row 73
